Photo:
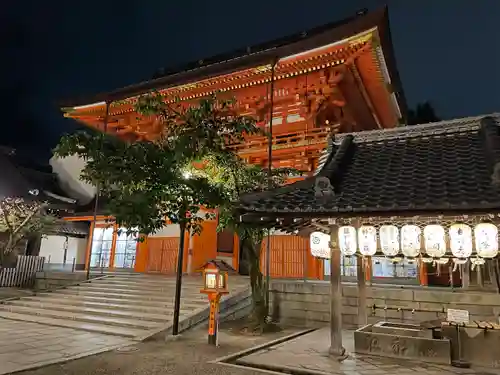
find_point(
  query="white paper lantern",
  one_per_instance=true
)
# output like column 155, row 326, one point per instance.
column 389, row 240
column 434, row 241
column 486, row 236
column 461, row 241
column 320, row 245
column 367, row 240
column 347, row 240
column 410, row 241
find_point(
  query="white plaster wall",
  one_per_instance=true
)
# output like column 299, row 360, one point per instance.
column 170, row 230
column 68, row 171
column 53, row 247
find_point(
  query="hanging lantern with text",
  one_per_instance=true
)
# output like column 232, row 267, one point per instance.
column 389, row 241
column 486, row 241
column 460, row 243
column 486, row 236
column 410, row 241
column 347, row 240
column 320, row 245
column 367, row 240
column 435, row 244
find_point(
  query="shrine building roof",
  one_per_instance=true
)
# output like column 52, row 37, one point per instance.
column 261, row 54
column 443, row 168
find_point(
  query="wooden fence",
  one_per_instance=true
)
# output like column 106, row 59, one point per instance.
column 24, row 273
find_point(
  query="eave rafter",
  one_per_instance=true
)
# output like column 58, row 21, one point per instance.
column 247, row 78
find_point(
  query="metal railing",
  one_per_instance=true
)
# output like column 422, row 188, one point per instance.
column 315, row 136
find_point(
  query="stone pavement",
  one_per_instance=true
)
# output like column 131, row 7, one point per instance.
column 309, row 353
column 28, row 345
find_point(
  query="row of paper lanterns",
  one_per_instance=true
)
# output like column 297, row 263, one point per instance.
column 396, row 242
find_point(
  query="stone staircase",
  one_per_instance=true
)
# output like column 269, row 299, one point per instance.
column 135, row 306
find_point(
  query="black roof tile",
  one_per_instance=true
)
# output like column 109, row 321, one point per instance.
column 448, row 166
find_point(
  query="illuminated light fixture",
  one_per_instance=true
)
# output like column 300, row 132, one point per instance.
column 389, row 242
column 486, row 240
column 435, row 243
column 347, row 240
column 460, row 243
column 320, row 245
column 410, row 241
column 367, row 240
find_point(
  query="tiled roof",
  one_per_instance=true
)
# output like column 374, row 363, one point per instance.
column 21, row 182
column 445, row 167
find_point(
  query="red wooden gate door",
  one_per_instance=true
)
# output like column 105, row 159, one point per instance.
column 162, row 254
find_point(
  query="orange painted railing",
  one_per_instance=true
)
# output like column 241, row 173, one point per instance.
column 310, row 137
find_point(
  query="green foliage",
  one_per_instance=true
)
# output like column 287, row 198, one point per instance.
column 142, row 183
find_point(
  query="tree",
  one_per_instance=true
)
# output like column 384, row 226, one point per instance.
column 18, row 220
column 144, row 183
column 424, row 113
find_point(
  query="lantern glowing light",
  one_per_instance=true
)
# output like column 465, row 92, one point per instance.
column 367, row 240
column 347, row 240
column 389, row 240
column 486, row 238
column 434, row 240
column 320, row 245
column 460, row 242
column 410, row 241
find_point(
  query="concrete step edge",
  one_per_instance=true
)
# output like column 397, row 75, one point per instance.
column 135, row 297
column 124, row 323
column 96, row 328
column 78, row 300
column 126, row 314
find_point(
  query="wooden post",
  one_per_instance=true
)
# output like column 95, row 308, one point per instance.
column 479, row 277
column 360, row 274
column 466, row 276
column 189, row 267
column 336, row 347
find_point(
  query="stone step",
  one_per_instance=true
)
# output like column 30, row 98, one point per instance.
column 138, row 285
column 105, row 310
column 86, row 318
column 73, row 299
column 137, row 290
column 130, row 296
column 97, row 328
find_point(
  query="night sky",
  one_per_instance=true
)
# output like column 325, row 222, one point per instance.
column 447, row 51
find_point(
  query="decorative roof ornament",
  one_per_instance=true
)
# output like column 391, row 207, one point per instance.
column 323, row 188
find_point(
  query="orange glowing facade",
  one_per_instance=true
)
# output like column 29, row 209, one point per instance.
column 335, row 78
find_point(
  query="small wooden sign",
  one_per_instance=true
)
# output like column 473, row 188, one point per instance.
column 457, row 316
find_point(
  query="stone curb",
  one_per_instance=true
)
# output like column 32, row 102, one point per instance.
column 246, row 352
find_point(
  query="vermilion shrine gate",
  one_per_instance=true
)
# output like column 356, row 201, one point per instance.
column 339, row 77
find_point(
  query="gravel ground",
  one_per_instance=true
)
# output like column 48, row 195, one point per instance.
column 187, row 355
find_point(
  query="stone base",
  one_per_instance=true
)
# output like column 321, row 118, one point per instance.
column 403, row 347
